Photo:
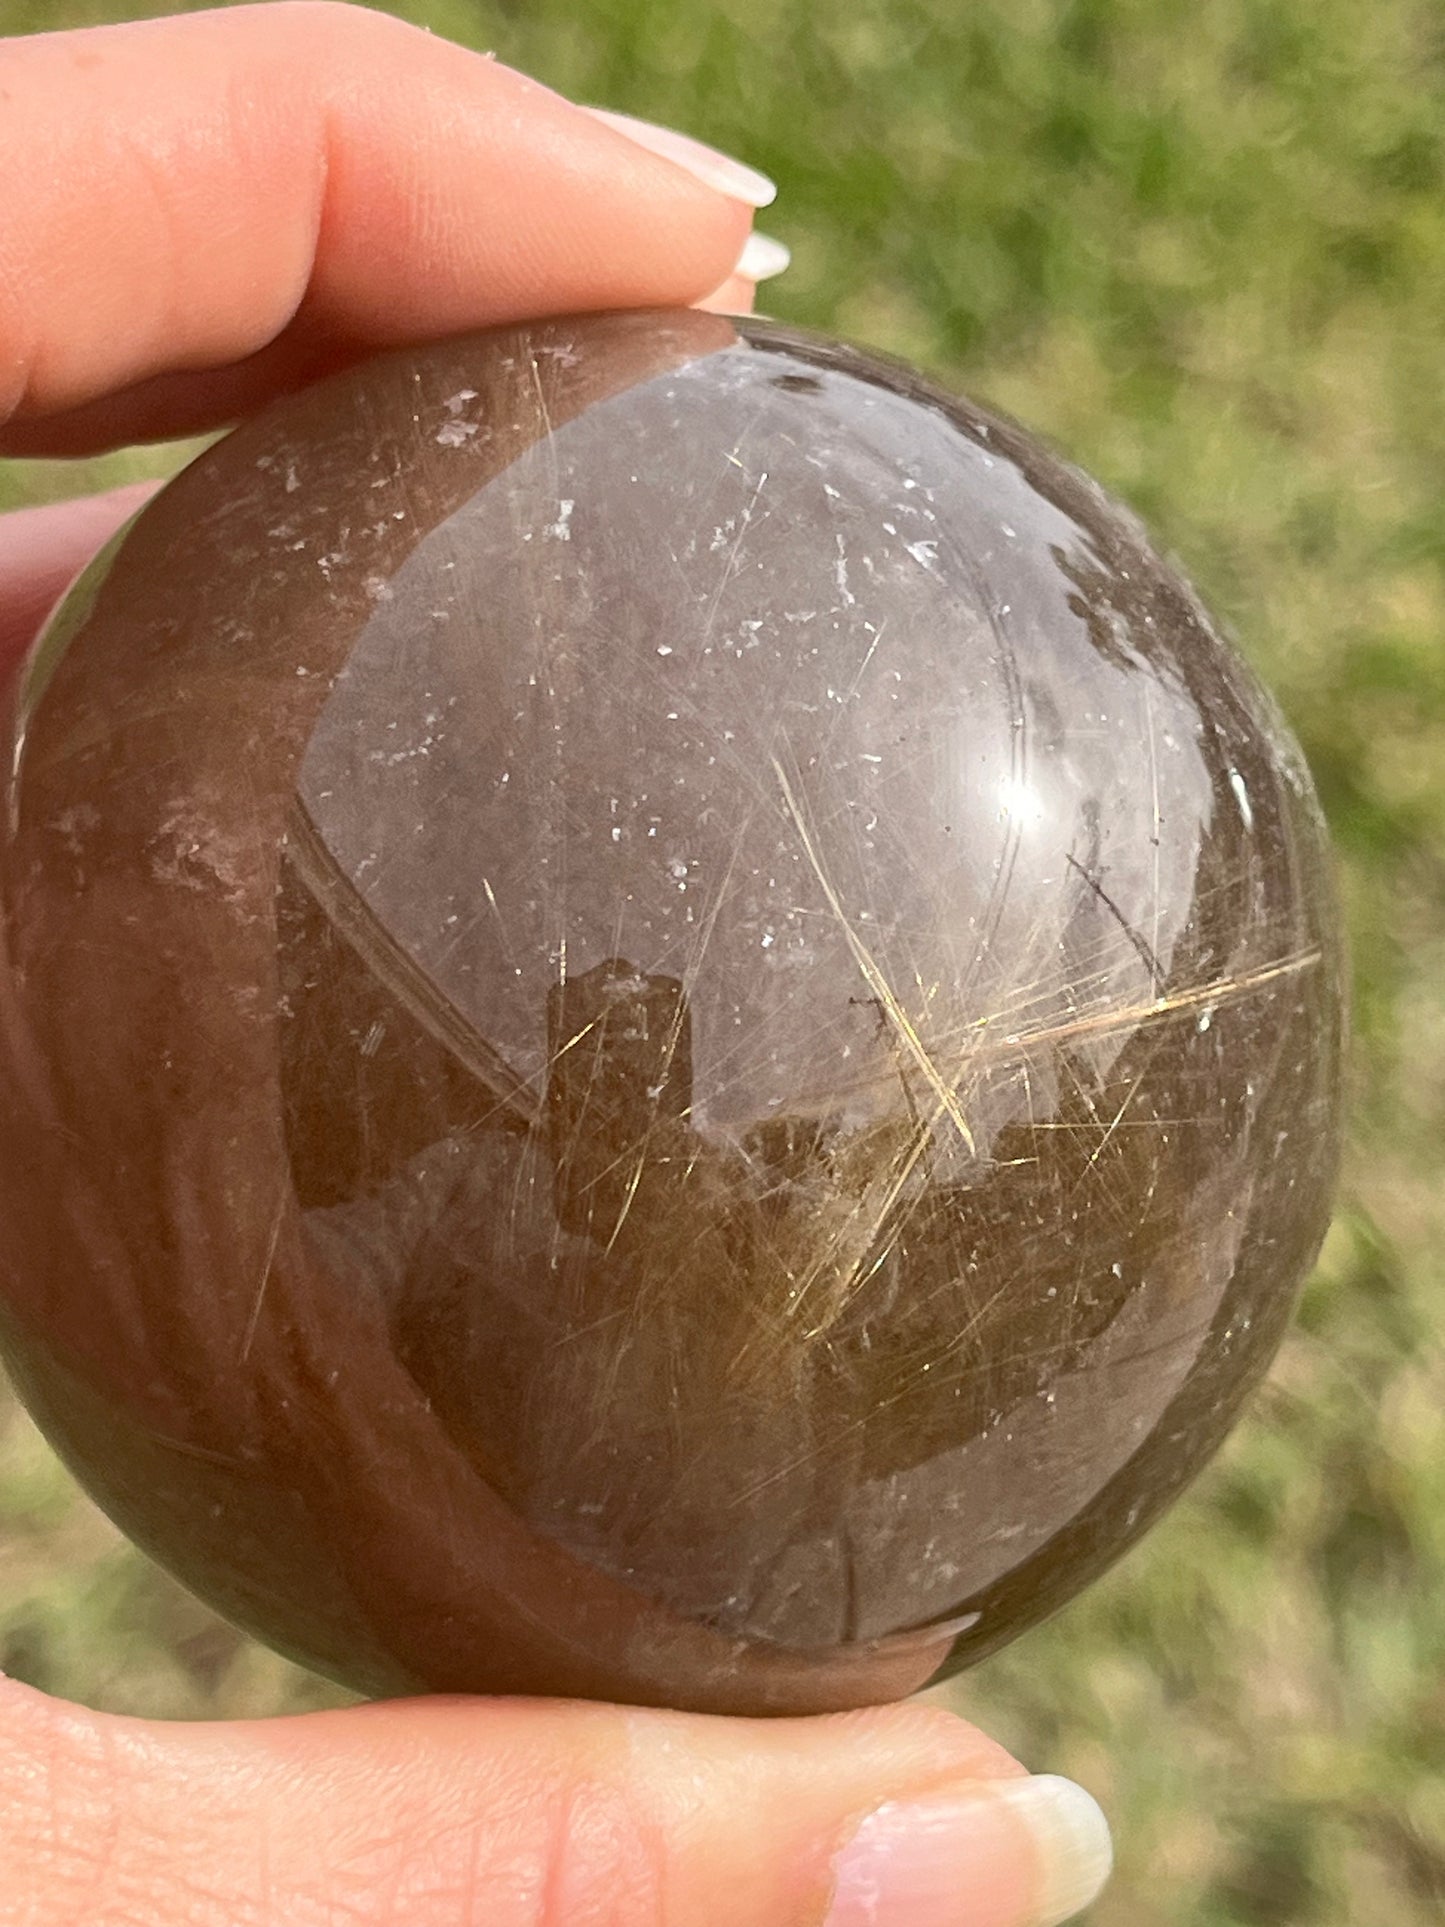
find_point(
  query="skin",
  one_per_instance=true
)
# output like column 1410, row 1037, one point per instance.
column 243, row 201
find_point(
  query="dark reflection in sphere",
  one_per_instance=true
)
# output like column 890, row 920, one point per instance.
column 672, row 1023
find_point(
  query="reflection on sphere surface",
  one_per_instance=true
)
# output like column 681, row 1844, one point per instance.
column 674, row 1023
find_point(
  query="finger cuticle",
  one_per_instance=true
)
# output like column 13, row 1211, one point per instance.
column 1029, row 1852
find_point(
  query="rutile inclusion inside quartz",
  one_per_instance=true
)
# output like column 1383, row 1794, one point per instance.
column 672, row 1023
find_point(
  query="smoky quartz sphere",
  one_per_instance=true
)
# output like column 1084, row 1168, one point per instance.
column 671, row 1023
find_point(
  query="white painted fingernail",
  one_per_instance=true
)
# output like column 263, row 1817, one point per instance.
column 705, row 164
column 995, row 1853
column 762, row 258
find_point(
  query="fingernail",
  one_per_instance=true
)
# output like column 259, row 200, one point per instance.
column 995, row 1853
column 762, row 258
column 706, row 164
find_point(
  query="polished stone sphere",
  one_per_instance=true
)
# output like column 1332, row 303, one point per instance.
column 671, row 1023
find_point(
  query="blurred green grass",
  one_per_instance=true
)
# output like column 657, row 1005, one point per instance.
column 1202, row 247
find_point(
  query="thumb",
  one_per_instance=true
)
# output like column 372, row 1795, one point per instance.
column 524, row 1813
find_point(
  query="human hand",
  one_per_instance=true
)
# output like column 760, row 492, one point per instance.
column 198, row 215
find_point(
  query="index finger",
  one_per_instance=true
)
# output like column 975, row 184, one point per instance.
column 205, row 210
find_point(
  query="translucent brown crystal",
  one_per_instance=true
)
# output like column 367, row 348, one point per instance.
column 671, row 1023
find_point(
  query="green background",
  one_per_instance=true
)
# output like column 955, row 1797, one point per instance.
column 1202, row 247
